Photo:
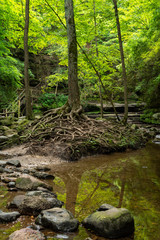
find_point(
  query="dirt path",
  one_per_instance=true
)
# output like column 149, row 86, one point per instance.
column 28, row 160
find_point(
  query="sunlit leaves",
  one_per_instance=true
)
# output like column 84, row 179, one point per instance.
column 10, row 68
column 139, row 21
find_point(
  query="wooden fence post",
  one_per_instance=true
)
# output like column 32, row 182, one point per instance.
column 19, row 108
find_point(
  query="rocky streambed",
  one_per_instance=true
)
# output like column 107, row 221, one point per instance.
column 35, row 199
column 29, row 196
column 28, row 176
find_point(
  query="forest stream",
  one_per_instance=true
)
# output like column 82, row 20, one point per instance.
column 130, row 180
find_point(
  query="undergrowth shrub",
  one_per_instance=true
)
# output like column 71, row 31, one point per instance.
column 147, row 116
column 49, row 101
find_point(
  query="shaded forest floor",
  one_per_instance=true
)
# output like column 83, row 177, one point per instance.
column 70, row 138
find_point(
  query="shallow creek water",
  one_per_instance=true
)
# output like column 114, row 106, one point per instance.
column 130, row 180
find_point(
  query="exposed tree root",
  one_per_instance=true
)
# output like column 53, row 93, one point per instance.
column 72, row 134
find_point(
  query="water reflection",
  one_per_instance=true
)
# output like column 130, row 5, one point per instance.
column 130, row 180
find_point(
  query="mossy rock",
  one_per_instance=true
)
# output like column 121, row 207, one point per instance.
column 111, row 223
column 28, row 183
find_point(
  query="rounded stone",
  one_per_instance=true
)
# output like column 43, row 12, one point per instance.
column 27, row 233
column 58, row 219
column 8, row 216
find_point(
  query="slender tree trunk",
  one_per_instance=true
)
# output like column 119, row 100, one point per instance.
column 97, row 53
column 123, row 63
column 26, row 64
column 73, row 88
column 88, row 59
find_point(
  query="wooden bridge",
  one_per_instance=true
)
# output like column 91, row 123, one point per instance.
column 15, row 106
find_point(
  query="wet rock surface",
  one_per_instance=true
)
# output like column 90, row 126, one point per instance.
column 42, row 192
column 33, row 202
column 42, row 168
column 3, row 163
column 15, row 163
column 58, row 219
column 27, row 182
column 27, row 233
column 105, row 207
column 6, row 217
column 43, row 175
column 38, row 196
column 110, row 222
column 7, row 170
column 33, row 205
column 11, row 184
column 16, row 202
column 7, row 179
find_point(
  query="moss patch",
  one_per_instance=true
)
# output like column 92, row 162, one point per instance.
column 4, row 233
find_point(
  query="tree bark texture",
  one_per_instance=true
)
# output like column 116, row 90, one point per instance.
column 97, row 54
column 123, row 62
column 26, row 64
column 73, row 88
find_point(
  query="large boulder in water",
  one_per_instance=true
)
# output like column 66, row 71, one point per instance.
column 110, row 222
column 58, row 219
column 27, row 233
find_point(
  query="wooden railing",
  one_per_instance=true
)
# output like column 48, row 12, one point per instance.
column 15, row 106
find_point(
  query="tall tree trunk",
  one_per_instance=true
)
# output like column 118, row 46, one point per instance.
column 89, row 60
column 26, row 64
column 123, row 63
column 97, row 54
column 73, row 88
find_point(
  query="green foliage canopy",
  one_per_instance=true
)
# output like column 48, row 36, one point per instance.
column 140, row 23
